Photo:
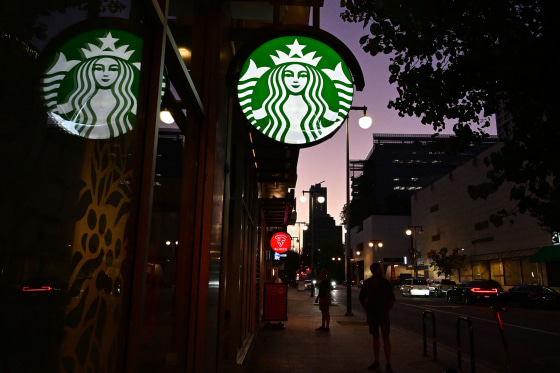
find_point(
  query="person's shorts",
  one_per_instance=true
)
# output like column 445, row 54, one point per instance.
column 324, row 304
column 379, row 322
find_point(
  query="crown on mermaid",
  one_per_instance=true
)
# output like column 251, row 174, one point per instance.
column 107, row 49
column 295, row 56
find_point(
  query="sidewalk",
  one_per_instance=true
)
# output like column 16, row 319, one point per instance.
column 346, row 348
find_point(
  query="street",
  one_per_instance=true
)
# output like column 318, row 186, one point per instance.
column 532, row 335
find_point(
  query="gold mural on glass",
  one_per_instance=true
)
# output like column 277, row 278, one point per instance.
column 93, row 317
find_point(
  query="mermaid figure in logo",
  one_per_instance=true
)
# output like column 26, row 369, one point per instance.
column 295, row 107
column 103, row 98
column 101, row 103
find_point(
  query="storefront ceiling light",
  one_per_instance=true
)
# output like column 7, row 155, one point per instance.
column 185, row 53
column 166, row 117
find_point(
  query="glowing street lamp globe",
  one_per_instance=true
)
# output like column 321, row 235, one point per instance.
column 365, row 122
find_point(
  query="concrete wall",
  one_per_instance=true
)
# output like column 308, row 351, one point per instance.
column 450, row 218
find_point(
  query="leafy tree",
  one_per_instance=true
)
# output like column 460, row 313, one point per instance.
column 455, row 62
column 445, row 264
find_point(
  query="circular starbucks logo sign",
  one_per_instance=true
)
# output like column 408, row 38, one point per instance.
column 91, row 85
column 295, row 90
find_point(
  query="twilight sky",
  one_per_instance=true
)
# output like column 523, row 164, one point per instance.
column 326, row 161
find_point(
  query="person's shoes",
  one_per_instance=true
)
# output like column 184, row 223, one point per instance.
column 375, row 366
column 327, row 329
column 388, row 369
column 321, row 328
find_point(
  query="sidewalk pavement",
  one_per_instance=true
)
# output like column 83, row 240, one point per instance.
column 346, row 348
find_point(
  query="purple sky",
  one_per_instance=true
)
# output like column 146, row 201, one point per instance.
column 326, row 161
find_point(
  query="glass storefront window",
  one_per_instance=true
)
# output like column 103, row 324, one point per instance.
column 496, row 271
column 480, row 270
column 66, row 212
column 159, row 314
column 532, row 273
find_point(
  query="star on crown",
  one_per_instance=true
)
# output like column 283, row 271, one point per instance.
column 296, row 55
column 107, row 49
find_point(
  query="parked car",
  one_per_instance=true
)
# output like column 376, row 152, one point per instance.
column 439, row 286
column 469, row 292
column 307, row 284
column 353, row 283
column 415, row 286
column 529, row 296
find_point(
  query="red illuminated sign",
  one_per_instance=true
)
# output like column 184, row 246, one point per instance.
column 281, row 242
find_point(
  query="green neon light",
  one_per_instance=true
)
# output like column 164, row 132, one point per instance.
column 91, row 86
column 295, row 90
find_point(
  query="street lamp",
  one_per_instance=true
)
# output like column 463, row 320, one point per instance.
column 413, row 251
column 365, row 122
column 293, row 227
column 376, row 244
column 321, row 199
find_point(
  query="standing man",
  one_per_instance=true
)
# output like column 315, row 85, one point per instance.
column 324, row 299
column 377, row 298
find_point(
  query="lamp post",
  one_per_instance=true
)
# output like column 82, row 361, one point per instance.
column 413, row 251
column 364, row 122
column 321, row 199
column 293, row 227
column 376, row 244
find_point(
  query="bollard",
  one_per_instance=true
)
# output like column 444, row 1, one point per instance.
column 434, row 340
column 459, row 360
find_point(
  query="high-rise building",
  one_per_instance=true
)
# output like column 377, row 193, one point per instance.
column 504, row 123
column 400, row 165
column 323, row 239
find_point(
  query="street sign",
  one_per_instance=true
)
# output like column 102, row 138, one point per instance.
column 281, row 242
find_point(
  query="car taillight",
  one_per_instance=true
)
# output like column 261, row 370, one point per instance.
column 534, row 296
column 42, row 288
column 479, row 290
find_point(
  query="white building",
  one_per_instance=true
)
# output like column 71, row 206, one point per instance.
column 388, row 230
column 451, row 219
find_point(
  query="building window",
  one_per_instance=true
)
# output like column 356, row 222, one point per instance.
column 482, row 240
column 434, row 208
column 436, row 237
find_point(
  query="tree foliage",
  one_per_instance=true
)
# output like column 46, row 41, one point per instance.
column 447, row 264
column 455, row 62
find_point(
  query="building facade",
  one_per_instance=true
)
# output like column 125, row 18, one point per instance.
column 126, row 244
column 393, row 253
column 398, row 166
column 451, row 219
column 323, row 239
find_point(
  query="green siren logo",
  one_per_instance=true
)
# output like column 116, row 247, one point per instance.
column 91, row 86
column 292, row 96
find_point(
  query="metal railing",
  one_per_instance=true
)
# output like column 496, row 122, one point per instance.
column 471, row 339
column 434, row 339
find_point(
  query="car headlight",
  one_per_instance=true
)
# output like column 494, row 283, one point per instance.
column 314, row 282
column 333, row 284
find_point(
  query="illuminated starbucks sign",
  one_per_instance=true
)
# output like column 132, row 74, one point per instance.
column 295, row 90
column 91, row 85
